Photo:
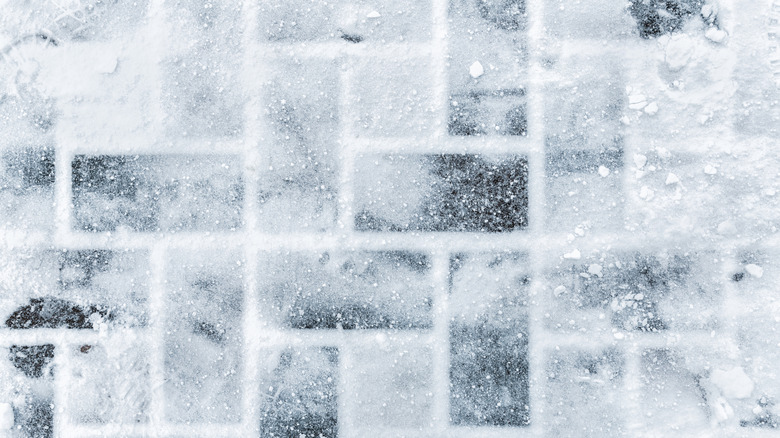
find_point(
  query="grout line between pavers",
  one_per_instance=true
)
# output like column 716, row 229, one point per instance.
column 536, row 174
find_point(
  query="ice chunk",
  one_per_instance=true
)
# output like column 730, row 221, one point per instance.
column 603, row 171
column 373, row 14
column 733, row 383
column 710, row 169
column 672, row 179
column 573, row 255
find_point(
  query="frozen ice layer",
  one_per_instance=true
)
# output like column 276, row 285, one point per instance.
column 203, row 339
column 488, row 112
column 643, row 292
column 298, row 181
column 392, row 98
column 597, row 19
column 299, row 393
column 473, row 193
column 109, row 383
column 656, row 18
column 27, row 188
column 583, row 108
column 201, row 99
column 157, row 193
column 489, row 340
column 393, row 385
column 583, row 394
column 673, row 394
column 695, row 205
column 384, row 21
column 365, row 290
column 65, row 288
column 202, row 69
column 80, row 21
column 584, row 189
column 492, row 33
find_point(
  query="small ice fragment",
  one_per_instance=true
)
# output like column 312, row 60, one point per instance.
column 579, row 230
column 603, row 171
column 707, row 11
column 754, row 270
column 646, row 193
column 574, row 255
column 560, row 290
column 768, row 192
column 373, row 14
column 710, row 170
column 715, row 35
column 640, row 160
column 476, row 70
column 625, row 120
column 6, row 416
column 637, row 102
column 733, row 383
column 106, row 64
column 595, row 269
column 727, row 228
column 651, row 108
column 672, row 179
column 619, row 335
column 721, row 410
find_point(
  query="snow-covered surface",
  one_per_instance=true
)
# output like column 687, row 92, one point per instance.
column 401, row 218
